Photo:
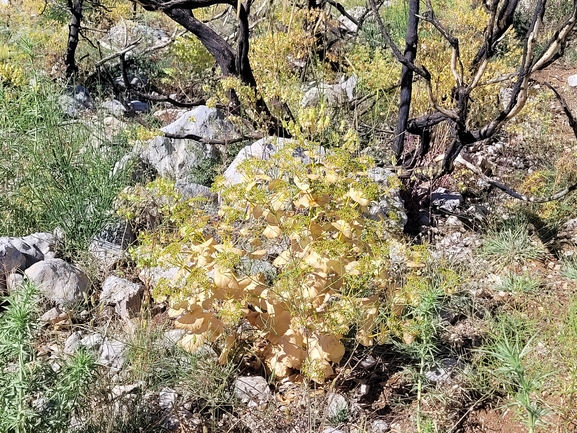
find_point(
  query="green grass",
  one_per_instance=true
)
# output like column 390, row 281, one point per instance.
column 34, row 395
column 507, row 355
column 56, row 173
column 512, row 243
column 569, row 268
column 523, row 283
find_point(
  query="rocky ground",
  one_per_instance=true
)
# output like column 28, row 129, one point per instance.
column 107, row 309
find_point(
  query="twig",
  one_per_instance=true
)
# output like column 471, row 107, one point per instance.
column 156, row 98
column 213, row 141
column 510, row 191
column 568, row 113
column 119, row 53
column 343, row 11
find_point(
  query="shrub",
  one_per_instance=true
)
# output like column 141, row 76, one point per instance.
column 308, row 221
column 57, row 173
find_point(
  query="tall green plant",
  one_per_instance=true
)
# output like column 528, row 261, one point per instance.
column 57, row 172
column 33, row 396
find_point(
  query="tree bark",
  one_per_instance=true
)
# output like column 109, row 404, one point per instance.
column 410, row 54
column 75, row 8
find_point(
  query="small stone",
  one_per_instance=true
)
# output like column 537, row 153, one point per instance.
column 54, row 316
column 91, row 341
column 368, row 362
column 72, row 343
column 252, row 390
column 112, row 354
column 14, row 281
column 443, row 372
column 379, row 426
column 172, row 337
column 167, row 398
column 139, row 106
column 337, row 404
column 123, row 294
column 121, row 390
column 454, row 221
column 446, row 201
column 572, row 80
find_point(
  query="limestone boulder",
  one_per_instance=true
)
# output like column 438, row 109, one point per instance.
column 124, row 295
column 59, row 281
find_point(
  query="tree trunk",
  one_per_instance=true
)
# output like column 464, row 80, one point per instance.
column 73, row 32
column 411, row 40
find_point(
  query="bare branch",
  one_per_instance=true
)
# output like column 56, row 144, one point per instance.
column 164, row 5
column 343, row 11
column 556, row 45
column 460, row 160
column 213, row 141
column 396, row 52
column 119, row 53
column 568, row 113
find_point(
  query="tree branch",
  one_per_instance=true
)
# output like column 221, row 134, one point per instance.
column 460, row 160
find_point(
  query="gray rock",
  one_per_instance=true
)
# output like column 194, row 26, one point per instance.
column 167, row 398
column 72, row 343
column 252, row 390
column 572, row 80
column 175, row 158
column 110, row 244
column 127, row 32
column 151, row 276
column 53, row 316
column 442, row 373
column 205, row 122
column 172, row 337
column 123, row 294
column 193, row 190
column 379, row 426
column 505, row 94
column 10, row 260
column 112, row 354
column 92, row 341
column 34, row 248
column 169, row 115
column 139, row 106
column 114, row 107
column 336, row 405
column 181, row 420
column 118, row 232
column 253, row 267
column 389, row 205
column 138, row 81
column 446, row 201
column 59, row 281
column 331, row 94
column 368, row 362
column 123, row 390
column 262, row 149
column 112, row 126
column 454, row 221
column 346, row 24
column 13, row 281
column 75, row 101
column 107, row 254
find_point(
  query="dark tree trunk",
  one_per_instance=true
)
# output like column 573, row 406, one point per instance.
column 410, row 54
column 232, row 62
column 75, row 8
column 212, row 41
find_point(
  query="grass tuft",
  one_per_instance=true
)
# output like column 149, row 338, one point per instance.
column 512, row 244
